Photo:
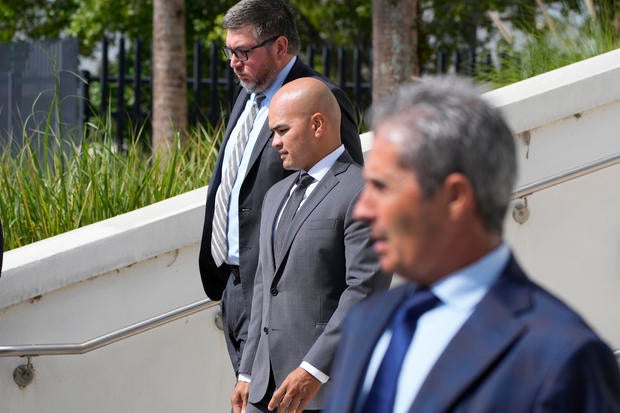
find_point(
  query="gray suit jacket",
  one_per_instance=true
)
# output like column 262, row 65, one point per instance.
column 300, row 300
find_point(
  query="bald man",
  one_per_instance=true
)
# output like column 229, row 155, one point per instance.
column 315, row 261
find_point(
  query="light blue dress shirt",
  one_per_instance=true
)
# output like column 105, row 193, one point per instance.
column 459, row 293
column 232, row 234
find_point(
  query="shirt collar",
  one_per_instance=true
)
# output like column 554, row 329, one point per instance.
column 319, row 170
column 465, row 288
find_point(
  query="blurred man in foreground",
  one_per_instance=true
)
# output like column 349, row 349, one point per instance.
column 470, row 332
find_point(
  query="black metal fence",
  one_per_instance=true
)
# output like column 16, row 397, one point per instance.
column 37, row 90
column 124, row 93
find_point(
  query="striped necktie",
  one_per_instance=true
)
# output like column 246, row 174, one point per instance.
column 219, row 244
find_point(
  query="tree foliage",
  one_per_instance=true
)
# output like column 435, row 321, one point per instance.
column 90, row 20
column 444, row 25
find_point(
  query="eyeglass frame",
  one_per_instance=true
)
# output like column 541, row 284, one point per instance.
column 242, row 53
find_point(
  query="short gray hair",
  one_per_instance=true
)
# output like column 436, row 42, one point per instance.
column 445, row 127
column 269, row 18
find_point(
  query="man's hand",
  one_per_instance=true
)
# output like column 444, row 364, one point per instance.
column 239, row 398
column 295, row 392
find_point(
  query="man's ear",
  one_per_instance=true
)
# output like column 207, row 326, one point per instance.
column 460, row 195
column 318, row 124
column 281, row 46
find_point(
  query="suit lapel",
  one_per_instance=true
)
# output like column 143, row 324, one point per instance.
column 278, row 198
column 484, row 338
column 261, row 141
column 324, row 187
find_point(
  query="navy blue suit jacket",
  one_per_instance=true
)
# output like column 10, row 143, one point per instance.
column 522, row 350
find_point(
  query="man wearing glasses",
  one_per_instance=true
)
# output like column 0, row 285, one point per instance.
column 261, row 43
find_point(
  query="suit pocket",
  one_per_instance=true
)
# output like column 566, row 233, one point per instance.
column 320, row 326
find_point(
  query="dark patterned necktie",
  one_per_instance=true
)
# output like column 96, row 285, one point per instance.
column 382, row 394
column 303, row 180
column 219, row 245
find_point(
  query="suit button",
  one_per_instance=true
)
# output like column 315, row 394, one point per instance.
column 274, row 291
column 265, row 330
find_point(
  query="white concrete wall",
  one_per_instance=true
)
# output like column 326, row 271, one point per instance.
column 571, row 242
column 103, row 277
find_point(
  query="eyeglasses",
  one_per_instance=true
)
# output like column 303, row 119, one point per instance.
column 242, row 54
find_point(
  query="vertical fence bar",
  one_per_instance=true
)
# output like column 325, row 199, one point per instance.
column 214, row 105
column 86, row 109
column 441, row 62
column 458, row 66
column 471, row 61
column 342, row 68
column 310, row 53
column 105, row 88
column 195, row 115
column 9, row 111
column 326, row 60
column 137, row 87
column 120, row 95
column 357, row 77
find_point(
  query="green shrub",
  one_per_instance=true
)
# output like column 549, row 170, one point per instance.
column 565, row 39
column 50, row 185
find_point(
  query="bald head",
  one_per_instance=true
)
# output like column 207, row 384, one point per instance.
column 305, row 117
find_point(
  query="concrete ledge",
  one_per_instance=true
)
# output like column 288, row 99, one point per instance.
column 563, row 92
column 101, row 247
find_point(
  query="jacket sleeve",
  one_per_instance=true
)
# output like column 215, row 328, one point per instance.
column 588, row 381
column 363, row 277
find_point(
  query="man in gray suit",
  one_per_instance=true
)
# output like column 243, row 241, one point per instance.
column 315, row 261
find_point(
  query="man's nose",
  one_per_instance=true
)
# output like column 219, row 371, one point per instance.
column 362, row 209
column 234, row 62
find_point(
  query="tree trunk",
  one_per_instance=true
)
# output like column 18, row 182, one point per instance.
column 169, row 74
column 394, row 45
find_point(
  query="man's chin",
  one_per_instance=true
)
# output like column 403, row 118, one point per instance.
column 248, row 87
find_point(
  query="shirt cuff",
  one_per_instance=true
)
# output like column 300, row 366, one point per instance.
column 244, row 377
column 318, row 374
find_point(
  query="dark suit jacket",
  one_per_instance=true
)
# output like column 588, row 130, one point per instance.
column 264, row 170
column 522, row 350
column 326, row 265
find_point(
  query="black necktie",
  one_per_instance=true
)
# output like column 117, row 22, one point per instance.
column 382, row 394
column 303, row 180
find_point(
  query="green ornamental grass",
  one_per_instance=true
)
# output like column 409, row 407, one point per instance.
column 563, row 40
column 49, row 186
